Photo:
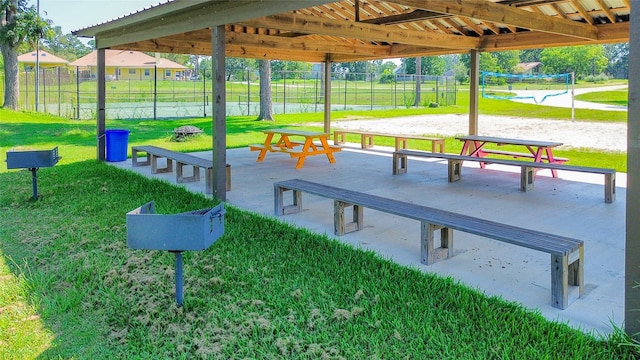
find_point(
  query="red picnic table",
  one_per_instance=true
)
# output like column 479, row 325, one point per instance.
column 539, row 151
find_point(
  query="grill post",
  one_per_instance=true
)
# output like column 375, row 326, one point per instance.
column 179, row 277
column 34, row 182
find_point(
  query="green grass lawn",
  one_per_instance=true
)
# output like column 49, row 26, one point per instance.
column 71, row 288
column 612, row 97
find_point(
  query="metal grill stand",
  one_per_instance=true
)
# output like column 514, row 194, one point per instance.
column 194, row 230
column 32, row 160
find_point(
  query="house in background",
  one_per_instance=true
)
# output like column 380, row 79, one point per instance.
column 528, row 68
column 44, row 59
column 130, row 65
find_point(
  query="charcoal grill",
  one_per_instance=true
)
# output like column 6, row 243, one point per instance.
column 32, row 160
column 193, row 230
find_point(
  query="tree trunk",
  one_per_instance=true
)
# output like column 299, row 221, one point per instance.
column 266, row 105
column 10, row 55
column 11, row 85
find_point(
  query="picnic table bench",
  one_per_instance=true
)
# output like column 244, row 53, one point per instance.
column 401, row 141
column 567, row 254
column 153, row 153
column 527, row 168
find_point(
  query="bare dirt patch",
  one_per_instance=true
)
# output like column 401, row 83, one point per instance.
column 574, row 134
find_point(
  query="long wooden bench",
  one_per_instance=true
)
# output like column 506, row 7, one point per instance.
column 153, row 153
column 527, row 168
column 401, row 141
column 567, row 254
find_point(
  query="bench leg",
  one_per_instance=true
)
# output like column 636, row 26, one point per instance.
column 134, row 159
column 338, row 138
column 567, row 278
column 154, row 165
column 428, row 252
column 180, row 178
column 399, row 163
column 527, row 176
column 366, row 141
column 341, row 226
column 454, row 169
column 401, row 143
column 609, row 188
column 279, row 208
column 437, row 144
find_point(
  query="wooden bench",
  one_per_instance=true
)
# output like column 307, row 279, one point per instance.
column 567, row 254
column 527, row 168
column 366, row 139
column 153, row 153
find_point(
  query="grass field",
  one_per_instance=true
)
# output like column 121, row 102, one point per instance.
column 70, row 288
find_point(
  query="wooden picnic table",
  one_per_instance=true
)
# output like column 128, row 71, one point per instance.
column 314, row 143
column 539, row 151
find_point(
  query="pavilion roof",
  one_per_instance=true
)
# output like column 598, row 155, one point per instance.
column 353, row 30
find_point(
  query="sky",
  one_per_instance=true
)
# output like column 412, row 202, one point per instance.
column 77, row 14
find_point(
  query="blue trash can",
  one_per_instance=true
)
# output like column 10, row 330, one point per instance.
column 117, row 144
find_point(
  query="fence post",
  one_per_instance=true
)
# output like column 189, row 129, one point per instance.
column 204, row 92
column 345, row 91
column 284, row 92
column 77, row 93
column 371, row 91
column 59, row 92
column 155, row 91
column 395, row 91
column 248, row 92
column 316, row 92
column 26, row 90
column 44, row 91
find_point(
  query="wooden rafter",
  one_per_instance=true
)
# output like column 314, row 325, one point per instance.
column 316, row 25
column 488, row 11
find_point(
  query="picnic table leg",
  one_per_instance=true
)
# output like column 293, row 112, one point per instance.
column 550, row 158
column 267, row 146
column 328, row 150
column 303, row 155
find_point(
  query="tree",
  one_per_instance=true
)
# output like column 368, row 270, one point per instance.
column 282, row 69
column 20, row 25
column 266, row 105
column 430, row 65
column 507, row 60
column 67, row 46
column 618, row 55
column 582, row 60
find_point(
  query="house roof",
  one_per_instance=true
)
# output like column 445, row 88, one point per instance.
column 44, row 58
column 126, row 59
column 353, row 30
column 526, row 66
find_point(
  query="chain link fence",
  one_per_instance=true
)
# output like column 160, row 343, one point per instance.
column 72, row 93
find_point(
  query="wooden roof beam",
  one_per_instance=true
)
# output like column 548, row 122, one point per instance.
column 488, row 11
column 321, row 26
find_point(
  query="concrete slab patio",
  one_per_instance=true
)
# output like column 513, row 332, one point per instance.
column 571, row 205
